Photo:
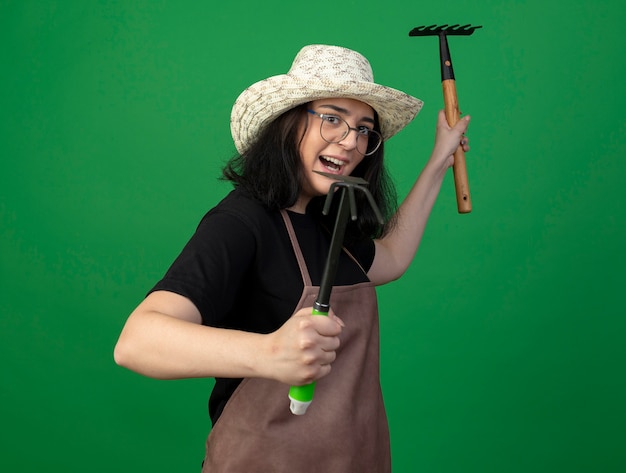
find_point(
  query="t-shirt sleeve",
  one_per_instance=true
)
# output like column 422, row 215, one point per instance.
column 212, row 265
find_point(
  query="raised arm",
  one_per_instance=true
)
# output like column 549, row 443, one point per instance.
column 395, row 251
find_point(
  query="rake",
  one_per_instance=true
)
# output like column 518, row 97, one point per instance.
column 451, row 104
column 302, row 396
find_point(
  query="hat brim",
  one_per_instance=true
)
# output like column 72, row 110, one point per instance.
column 264, row 101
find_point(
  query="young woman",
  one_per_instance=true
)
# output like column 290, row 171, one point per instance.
column 236, row 304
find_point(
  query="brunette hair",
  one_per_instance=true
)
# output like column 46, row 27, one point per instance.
column 270, row 170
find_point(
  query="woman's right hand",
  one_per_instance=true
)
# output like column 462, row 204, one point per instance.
column 304, row 348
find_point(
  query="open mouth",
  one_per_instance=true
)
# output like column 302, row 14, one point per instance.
column 331, row 164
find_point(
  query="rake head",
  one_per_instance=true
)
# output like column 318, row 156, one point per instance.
column 350, row 183
column 436, row 30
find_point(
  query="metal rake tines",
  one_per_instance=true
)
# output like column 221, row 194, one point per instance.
column 350, row 187
column 432, row 30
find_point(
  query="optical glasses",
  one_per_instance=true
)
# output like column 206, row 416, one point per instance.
column 334, row 129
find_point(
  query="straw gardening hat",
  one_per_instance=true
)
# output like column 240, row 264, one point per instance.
column 319, row 72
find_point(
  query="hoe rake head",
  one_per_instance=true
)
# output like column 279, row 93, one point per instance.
column 349, row 184
column 436, row 30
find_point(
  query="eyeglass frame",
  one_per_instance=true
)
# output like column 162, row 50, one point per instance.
column 359, row 133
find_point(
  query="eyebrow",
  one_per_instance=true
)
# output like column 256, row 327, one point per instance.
column 346, row 112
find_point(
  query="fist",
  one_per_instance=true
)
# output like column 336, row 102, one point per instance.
column 304, row 348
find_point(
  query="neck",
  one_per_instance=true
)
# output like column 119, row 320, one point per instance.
column 299, row 206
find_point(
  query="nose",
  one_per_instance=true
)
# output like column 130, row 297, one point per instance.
column 349, row 142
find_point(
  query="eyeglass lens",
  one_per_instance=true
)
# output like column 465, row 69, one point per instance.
column 335, row 129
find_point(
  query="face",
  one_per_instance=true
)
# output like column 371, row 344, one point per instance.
column 336, row 158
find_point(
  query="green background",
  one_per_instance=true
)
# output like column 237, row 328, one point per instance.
column 503, row 345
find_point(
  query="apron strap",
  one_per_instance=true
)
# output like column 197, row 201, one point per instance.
column 296, row 248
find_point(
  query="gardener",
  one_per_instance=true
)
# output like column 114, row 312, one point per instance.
column 236, row 304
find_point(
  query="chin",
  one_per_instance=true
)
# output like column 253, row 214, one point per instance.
column 321, row 186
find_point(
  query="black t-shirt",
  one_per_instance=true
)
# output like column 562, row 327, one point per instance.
column 241, row 272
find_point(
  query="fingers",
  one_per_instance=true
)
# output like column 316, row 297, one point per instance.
column 319, row 337
column 465, row 144
column 448, row 139
column 462, row 124
column 316, row 349
column 460, row 127
column 337, row 319
column 330, row 325
column 305, row 347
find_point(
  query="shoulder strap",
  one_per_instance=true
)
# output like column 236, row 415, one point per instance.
column 296, row 248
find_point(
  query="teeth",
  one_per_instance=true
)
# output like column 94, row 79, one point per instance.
column 338, row 162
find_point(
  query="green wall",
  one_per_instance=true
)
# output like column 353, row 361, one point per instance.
column 507, row 332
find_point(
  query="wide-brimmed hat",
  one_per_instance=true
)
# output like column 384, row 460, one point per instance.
column 319, row 72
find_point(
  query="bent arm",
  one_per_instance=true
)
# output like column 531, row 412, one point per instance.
column 163, row 338
column 396, row 250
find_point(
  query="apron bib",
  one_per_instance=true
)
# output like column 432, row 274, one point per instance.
column 345, row 428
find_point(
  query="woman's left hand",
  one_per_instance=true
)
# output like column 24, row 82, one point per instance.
column 448, row 139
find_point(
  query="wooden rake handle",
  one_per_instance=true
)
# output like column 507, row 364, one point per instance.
column 461, row 182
